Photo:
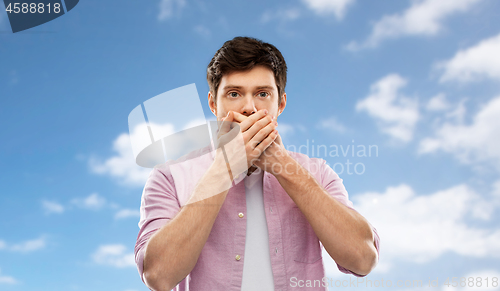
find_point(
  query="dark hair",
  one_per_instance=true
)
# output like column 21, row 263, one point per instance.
column 244, row 53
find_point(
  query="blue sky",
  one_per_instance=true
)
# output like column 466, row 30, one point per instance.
column 417, row 80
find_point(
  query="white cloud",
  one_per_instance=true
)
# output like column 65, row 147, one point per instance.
column 126, row 213
column 496, row 189
column 423, row 17
column 7, row 279
column 203, row 31
column 26, row 246
column 113, row 205
column 325, row 7
column 114, row 255
column 285, row 129
column 420, row 228
column 192, row 123
column 477, row 142
column 395, row 114
column 438, row 103
column 331, row 124
column 282, row 15
column 169, row 7
column 122, row 165
column 52, row 207
column 92, row 202
column 477, row 62
column 458, row 112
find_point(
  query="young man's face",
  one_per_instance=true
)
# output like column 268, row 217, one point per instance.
column 247, row 92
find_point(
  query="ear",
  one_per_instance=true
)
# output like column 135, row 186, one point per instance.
column 282, row 105
column 211, row 103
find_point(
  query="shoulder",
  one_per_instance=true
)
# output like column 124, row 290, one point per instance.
column 316, row 166
column 196, row 156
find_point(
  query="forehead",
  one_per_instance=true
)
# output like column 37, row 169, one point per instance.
column 258, row 76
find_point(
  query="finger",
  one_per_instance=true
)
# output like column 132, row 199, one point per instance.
column 263, row 133
column 258, row 126
column 266, row 142
column 252, row 119
column 238, row 117
column 278, row 140
column 225, row 125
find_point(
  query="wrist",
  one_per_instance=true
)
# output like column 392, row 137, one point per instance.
column 220, row 167
column 285, row 167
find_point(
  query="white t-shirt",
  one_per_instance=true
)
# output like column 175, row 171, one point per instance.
column 257, row 271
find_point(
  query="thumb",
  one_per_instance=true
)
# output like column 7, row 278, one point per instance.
column 278, row 140
column 230, row 116
column 226, row 123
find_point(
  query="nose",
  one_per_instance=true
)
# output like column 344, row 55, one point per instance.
column 248, row 106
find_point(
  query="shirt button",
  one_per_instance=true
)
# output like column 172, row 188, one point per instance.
column 240, row 215
column 237, row 257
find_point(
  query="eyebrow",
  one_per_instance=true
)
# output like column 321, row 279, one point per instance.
column 227, row 87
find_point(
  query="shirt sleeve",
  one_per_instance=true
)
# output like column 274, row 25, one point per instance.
column 334, row 186
column 159, row 204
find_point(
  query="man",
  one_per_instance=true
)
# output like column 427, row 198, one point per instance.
column 264, row 233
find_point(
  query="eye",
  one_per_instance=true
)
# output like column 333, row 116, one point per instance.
column 233, row 94
column 263, row 94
